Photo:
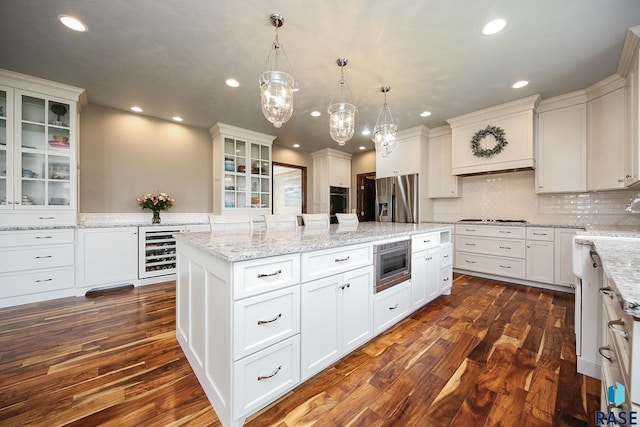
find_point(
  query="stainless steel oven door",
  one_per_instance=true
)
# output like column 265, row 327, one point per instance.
column 393, row 264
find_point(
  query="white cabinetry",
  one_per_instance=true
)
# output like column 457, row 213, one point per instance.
column 106, row 256
column 446, row 267
column 425, row 269
column 606, row 134
column 36, row 265
column 38, row 151
column 330, row 168
column 337, row 318
column 562, row 144
column 441, row 183
column 632, row 143
column 563, row 272
column 408, row 157
column 241, row 170
column 540, row 257
column 390, row 306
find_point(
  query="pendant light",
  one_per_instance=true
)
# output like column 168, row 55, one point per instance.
column 277, row 86
column 342, row 112
column 384, row 134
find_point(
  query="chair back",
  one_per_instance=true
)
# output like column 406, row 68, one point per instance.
column 281, row 222
column 347, row 218
column 316, row 220
column 231, row 223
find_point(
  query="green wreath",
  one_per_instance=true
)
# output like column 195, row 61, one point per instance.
column 498, row 134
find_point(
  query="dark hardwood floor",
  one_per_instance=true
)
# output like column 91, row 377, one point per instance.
column 491, row 354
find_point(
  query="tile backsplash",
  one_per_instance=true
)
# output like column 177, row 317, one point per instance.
column 512, row 196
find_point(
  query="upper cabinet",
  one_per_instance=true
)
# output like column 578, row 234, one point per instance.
column 441, row 183
column 331, row 168
column 562, row 144
column 241, row 170
column 514, row 118
column 629, row 67
column 408, row 155
column 606, row 134
column 38, row 151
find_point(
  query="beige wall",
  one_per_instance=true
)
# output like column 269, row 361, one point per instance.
column 123, row 155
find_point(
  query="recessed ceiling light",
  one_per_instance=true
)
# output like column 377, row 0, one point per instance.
column 519, row 84
column 425, row 114
column 136, row 109
column 362, row 147
column 494, row 26
column 232, row 82
column 366, row 132
column 177, row 118
column 73, row 23
column 315, row 113
column 296, row 145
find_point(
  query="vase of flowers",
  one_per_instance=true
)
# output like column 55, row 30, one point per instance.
column 156, row 202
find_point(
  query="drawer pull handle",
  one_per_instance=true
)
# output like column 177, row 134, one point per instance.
column 469, row 244
column 607, row 292
column 44, row 256
column 261, row 275
column 504, row 266
column 341, row 259
column 611, row 325
column 505, row 247
column 606, row 348
column 446, row 256
column 394, row 307
column 427, row 241
column 470, row 229
column 504, row 231
column 266, row 377
column 539, row 234
column 44, row 280
column 44, row 237
column 470, row 262
column 264, row 322
column 47, row 217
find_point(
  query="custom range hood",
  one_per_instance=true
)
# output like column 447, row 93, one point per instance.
column 496, row 139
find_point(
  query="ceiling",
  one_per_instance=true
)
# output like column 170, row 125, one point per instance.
column 172, row 57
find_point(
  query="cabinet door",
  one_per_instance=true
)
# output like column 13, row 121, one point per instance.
column 562, row 150
column 418, row 279
column 357, row 308
column 6, row 148
column 632, row 153
column 408, row 156
column 441, row 182
column 539, row 261
column 386, row 166
column 433, row 273
column 607, row 131
column 107, row 256
column 319, row 329
column 339, row 172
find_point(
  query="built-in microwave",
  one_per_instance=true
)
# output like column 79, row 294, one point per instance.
column 392, row 262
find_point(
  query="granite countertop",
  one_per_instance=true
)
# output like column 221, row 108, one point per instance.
column 265, row 243
column 96, row 225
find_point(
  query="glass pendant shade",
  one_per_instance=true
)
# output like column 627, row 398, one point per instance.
column 384, row 133
column 276, row 86
column 342, row 113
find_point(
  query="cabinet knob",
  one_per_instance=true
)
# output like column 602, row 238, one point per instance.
column 621, row 180
column 627, row 176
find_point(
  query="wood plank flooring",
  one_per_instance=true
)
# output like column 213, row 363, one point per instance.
column 491, row 354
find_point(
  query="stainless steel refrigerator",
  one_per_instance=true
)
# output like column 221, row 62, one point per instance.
column 397, row 199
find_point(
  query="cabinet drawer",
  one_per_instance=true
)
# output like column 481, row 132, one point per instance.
column 510, row 267
column 488, row 246
column 257, row 276
column 265, row 375
column 318, row 264
column 35, row 238
column 424, row 241
column 12, row 285
column 264, row 320
column 507, row 232
column 35, row 258
column 390, row 306
column 446, row 255
column 540, row 233
column 446, row 279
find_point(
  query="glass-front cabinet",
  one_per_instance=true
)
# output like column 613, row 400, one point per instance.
column 38, row 151
column 242, row 170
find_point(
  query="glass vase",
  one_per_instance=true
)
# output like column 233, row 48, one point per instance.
column 156, row 217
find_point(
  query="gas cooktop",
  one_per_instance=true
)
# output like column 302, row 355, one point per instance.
column 518, row 221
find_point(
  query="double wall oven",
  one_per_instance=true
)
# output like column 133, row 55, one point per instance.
column 392, row 262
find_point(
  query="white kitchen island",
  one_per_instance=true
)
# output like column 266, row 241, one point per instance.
column 259, row 313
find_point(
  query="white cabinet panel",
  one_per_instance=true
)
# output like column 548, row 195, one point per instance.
column 540, row 261
column 441, row 182
column 33, row 282
column 262, row 275
column 322, row 263
column 390, row 306
column 563, row 272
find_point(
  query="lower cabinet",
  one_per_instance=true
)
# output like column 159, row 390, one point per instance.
column 106, row 256
column 540, row 261
column 337, row 317
column 390, row 306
